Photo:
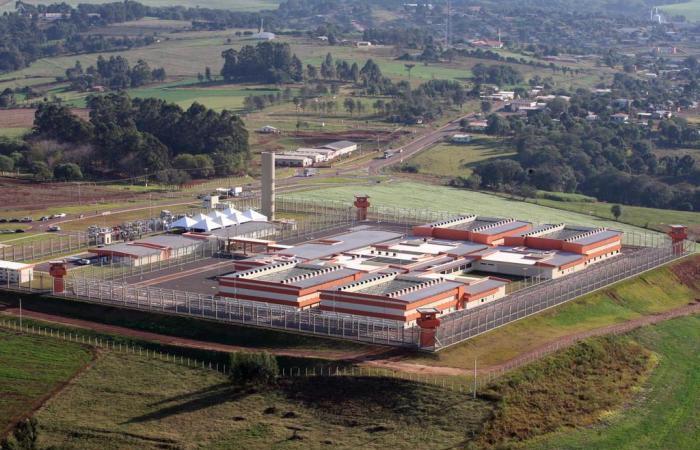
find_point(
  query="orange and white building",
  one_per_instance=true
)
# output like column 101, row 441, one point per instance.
column 483, row 230
column 287, row 283
column 395, row 296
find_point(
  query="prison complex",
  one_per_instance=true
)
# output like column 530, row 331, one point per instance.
column 444, row 266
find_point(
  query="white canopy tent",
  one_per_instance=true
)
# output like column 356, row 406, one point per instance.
column 239, row 218
column 207, row 224
column 225, row 222
column 255, row 216
column 184, row 222
column 216, row 214
column 199, row 217
column 231, row 211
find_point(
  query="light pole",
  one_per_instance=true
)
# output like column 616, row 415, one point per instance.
column 20, row 313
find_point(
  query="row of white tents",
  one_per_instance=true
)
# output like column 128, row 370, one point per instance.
column 216, row 220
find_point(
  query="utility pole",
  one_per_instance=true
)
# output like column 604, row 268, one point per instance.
column 474, row 378
column 20, row 313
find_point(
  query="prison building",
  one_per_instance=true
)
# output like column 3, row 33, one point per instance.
column 482, row 230
column 285, row 283
column 339, row 244
column 596, row 244
column 149, row 250
column 341, row 147
column 395, row 296
column 15, row 273
column 292, row 160
column 527, row 262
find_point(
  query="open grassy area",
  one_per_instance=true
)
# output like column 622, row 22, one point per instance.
column 665, row 413
column 634, row 215
column 442, row 198
column 651, row 293
column 689, row 9
column 13, row 132
column 166, row 405
column 568, row 389
column 452, row 160
column 31, row 367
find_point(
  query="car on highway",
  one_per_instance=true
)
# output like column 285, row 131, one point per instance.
column 58, row 216
column 53, row 228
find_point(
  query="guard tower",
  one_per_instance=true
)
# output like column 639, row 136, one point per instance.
column 678, row 235
column 362, row 204
column 428, row 323
column 58, row 270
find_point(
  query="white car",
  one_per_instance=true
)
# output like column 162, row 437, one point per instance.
column 54, row 228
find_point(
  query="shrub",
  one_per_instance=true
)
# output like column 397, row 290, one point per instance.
column 253, row 368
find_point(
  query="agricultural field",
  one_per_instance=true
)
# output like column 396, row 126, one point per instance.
column 32, row 369
column 453, row 160
column 689, row 9
column 441, row 198
column 652, row 293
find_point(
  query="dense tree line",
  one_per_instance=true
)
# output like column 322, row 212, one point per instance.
column 113, row 73
column 496, row 74
column 267, row 62
column 132, row 137
column 559, row 150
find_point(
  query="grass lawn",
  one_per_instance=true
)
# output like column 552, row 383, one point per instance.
column 651, row 293
column 126, row 401
column 452, row 160
column 689, row 9
column 634, row 215
column 665, row 413
column 442, row 198
column 31, row 367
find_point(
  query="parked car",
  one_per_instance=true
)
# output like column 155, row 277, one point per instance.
column 13, row 220
column 54, row 228
column 26, row 220
column 44, row 218
column 3, row 220
column 84, row 262
column 19, row 230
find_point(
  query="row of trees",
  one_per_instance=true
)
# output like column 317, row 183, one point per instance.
column 134, row 137
column 113, row 73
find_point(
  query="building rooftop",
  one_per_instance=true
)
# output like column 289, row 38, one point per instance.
column 339, row 145
column 339, row 244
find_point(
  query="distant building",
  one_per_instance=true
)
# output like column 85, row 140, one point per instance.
column 620, row 118
column 267, row 129
column 292, row 160
column 363, row 44
column 461, row 139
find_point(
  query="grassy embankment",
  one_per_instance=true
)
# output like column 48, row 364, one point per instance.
column 127, row 401
column 689, row 9
column 31, row 368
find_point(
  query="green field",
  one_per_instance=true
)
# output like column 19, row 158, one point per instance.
column 689, row 9
column 441, row 198
column 452, row 160
column 13, row 132
column 665, row 413
column 31, row 367
column 167, row 405
column 635, row 215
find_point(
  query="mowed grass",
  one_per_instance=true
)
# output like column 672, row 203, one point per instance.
column 689, row 9
column 31, row 367
column 665, row 412
column 651, row 293
column 13, row 132
column 459, row 201
column 453, row 160
column 127, row 401
column 634, row 215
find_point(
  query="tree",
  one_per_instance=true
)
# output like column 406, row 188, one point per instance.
column 58, row 122
column 349, row 105
column 409, row 68
column 7, row 164
column 616, row 211
column 24, row 437
column 207, row 73
column 486, row 107
column 67, row 172
column 311, row 72
column 253, row 368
